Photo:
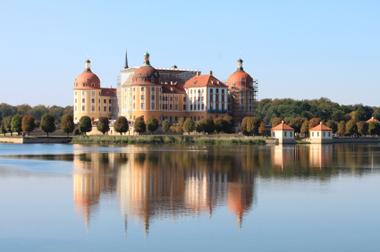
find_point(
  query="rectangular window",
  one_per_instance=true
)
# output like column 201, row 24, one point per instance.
column 222, row 98
column 142, row 97
column 142, row 105
column 199, row 98
column 171, row 98
column 203, row 106
column 105, row 101
column 152, row 89
column 210, row 106
column 109, row 101
column 312, row 134
column 217, row 97
column 285, row 134
column 83, row 101
column 317, row 134
column 153, row 98
column 99, row 101
column 199, row 106
column 291, row 134
column 211, row 90
column 110, row 109
column 191, row 107
column 76, row 108
column 105, row 109
column 92, row 100
column 323, row 134
column 217, row 106
column 222, row 91
column 184, row 107
column 184, row 98
column 152, row 107
column 134, row 105
column 210, row 97
column 176, row 98
column 171, row 107
column 328, row 134
column 176, row 106
column 93, row 108
column 142, row 89
column 223, row 106
column 175, row 118
column 99, row 108
column 217, row 91
column 76, row 100
column 83, row 108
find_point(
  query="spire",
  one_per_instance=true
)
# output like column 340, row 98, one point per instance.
column 174, row 66
column 146, row 59
column 240, row 64
column 126, row 60
column 87, row 65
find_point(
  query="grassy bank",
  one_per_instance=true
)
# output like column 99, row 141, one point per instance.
column 302, row 142
column 162, row 139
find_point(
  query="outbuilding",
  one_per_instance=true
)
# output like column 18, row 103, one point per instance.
column 321, row 134
column 284, row 133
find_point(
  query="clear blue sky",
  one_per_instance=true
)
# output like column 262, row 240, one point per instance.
column 296, row 49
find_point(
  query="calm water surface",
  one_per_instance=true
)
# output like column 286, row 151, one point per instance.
column 190, row 198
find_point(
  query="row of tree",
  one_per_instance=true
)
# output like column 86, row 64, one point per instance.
column 36, row 112
column 324, row 108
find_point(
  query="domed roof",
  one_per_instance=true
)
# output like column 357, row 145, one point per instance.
column 146, row 74
column 240, row 79
column 87, row 79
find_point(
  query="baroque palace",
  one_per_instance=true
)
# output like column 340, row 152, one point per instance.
column 165, row 93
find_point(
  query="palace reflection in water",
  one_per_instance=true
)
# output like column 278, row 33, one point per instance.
column 170, row 183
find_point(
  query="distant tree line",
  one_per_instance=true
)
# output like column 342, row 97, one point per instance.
column 323, row 108
column 36, row 112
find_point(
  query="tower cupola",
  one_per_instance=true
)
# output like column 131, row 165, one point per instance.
column 87, row 65
column 240, row 64
column 146, row 59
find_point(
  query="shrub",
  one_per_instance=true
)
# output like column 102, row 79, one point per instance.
column 188, row 126
column 166, row 126
column 121, row 125
column 152, row 124
column 85, row 124
column 140, row 125
column 27, row 124
column 16, row 124
column 67, row 124
column 47, row 124
column 103, row 125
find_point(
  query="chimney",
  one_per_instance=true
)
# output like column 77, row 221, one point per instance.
column 197, row 74
column 210, row 73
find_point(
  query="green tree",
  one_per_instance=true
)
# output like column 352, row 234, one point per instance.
column 189, row 125
column 38, row 124
column 8, row 124
column 262, row 129
column 338, row 115
column 360, row 114
column 47, row 124
column 220, row 125
column 332, row 125
column 351, row 127
column 208, row 125
column 276, row 121
column 296, row 124
column 16, row 123
column 166, row 125
column 27, row 124
column 199, row 126
column 305, row 128
column 121, row 125
column 103, row 125
column 376, row 114
column 373, row 128
column 67, row 124
column 342, row 128
column 362, row 128
column 253, row 125
column 179, row 126
column 152, row 124
column 84, row 124
column 140, row 125
column 230, row 124
column 3, row 129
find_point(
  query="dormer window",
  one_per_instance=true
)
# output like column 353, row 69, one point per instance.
column 142, row 79
column 84, row 84
column 152, row 80
column 92, row 85
column 233, row 84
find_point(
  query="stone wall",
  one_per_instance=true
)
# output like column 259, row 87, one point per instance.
column 16, row 140
column 30, row 140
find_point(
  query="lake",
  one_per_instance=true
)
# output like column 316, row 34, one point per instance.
column 190, row 198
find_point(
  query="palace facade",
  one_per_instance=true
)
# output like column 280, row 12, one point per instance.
column 165, row 93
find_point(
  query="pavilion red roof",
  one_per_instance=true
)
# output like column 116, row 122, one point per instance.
column 282, row 126
column 321, row 127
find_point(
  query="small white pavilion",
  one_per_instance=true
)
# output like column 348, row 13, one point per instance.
column 321, row 134
column 284, row 133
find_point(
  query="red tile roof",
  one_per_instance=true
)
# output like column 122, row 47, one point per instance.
column 108, row 92
column 321, row 127
column 203, row 81
column 176, row 88
column 373, row 120
column 282, row 126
